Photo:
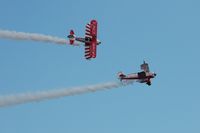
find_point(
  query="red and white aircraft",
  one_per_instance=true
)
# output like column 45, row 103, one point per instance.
column 144, row 76
column 90, row 39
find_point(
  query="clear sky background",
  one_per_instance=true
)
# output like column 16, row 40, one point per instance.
column 164, row 33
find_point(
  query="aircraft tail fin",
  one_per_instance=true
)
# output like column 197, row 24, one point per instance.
column 121, row 75
column 71, row 37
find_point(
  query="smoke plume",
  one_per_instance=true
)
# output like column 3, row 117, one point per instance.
column 52, row 94
column 6, row 34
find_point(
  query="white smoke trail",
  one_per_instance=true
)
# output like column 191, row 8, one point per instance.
column 6, row 34
column 50, row 94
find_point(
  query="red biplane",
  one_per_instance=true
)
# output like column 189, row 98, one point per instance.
column 90, row 40
column 144, row 76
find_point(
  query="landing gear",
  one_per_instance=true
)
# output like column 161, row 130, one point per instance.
column 148, row 83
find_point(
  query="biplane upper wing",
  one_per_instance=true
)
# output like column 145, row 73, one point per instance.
column 91, row 39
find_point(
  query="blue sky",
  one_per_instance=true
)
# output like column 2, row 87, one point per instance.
column 164, row 33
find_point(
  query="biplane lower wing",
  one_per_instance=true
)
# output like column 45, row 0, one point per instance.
column 90, row 50
column 88, row 54
column 91, row 40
